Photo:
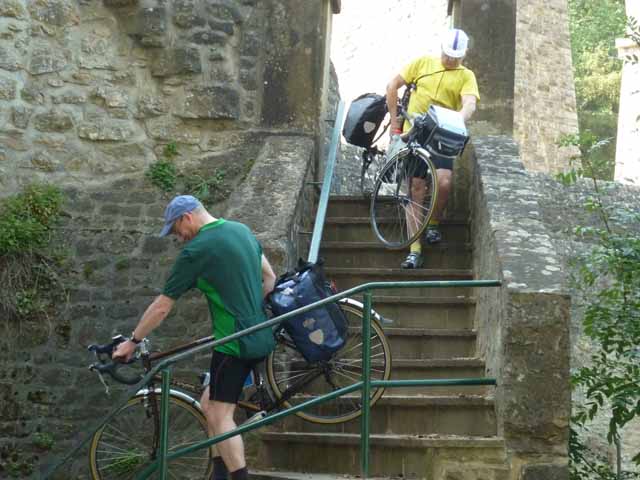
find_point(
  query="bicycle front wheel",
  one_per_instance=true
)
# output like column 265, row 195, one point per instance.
column 404, row 198
column 124, row 446
column 295, row 380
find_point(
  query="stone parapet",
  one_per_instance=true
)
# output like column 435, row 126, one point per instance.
column 523, row 327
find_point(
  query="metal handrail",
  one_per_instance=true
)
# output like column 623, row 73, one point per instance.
column 166, row 364
column 323, row 201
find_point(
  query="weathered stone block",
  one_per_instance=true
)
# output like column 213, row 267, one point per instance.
column 120, row 3
column 96, row 52
column 224, row 27
column 226, row 12
column 248, row 79
column 152, row 26
column 20, row 115
column 46, row 60
column 9, row 59
column 12, row 8
column 72, row 97
column 209, row 37
column 170, row 129
column 545, row 472
column 112, row 97
column 185, row 14
column 155, row 245
column 105, row 130
column 215, row 102
column 152, row 106
column 45, row 162
column 250, row 45
column 7, row 88
column 53, row 121
column 177, row 61
column 54, row 12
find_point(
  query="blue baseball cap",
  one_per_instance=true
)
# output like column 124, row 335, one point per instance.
column 177, row 207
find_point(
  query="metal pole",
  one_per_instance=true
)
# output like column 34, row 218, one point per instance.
column 326, row 187
column 366, row 386
column 164, row 423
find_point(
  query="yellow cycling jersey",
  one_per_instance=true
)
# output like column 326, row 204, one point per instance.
column 437, row 85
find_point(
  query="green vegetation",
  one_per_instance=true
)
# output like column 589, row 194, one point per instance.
column 26, row 267
column 607, row 280
column 43, row 441
column 595, row 25
column 165, row 175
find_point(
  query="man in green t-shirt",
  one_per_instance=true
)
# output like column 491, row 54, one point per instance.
column 439, row 81
column 223, row 260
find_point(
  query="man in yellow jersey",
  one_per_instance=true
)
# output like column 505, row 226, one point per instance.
column 439, row 81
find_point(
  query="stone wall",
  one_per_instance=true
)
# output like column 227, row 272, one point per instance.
column 523, row 327
column 522, row 58
column 91, row 94
column 523, row 226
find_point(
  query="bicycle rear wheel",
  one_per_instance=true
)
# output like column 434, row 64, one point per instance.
column 289, row 373
column 398, row 214
column 123, row 447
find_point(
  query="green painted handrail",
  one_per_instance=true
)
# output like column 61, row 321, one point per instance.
column 211, row 343
column 323, row 202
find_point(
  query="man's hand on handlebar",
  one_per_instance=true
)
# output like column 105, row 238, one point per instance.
column 124, row 351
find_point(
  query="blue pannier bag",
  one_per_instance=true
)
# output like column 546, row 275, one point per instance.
column 320, row 332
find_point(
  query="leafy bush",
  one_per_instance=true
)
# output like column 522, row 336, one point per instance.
column 27, row 269
column 26, row 219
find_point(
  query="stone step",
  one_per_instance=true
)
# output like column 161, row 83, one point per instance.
column 413, row 414
column 349, row 206
column 346, row 278
column 405, row 456
column 439, row 368
column 425, row 312
column 421, row 343
column 358, row 229
column 367, row 254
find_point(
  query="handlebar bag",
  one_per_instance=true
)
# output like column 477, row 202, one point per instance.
column 364, row 117
column 320, row 332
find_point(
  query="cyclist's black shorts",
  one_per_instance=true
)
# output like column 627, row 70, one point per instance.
column 228, row 374
column 417, row 168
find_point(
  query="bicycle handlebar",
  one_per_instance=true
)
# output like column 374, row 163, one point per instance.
column 107, row 365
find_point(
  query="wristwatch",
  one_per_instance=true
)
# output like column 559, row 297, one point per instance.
column 134, row 339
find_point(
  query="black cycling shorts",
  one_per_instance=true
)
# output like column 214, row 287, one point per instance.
column 415, row 167
column 228, row 374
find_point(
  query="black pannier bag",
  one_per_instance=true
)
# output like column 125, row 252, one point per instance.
column 441, row 132
column 320, row 332
column 364, row 117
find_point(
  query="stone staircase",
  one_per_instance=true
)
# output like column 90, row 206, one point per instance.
column 418, row 433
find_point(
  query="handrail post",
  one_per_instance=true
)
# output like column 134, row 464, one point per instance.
column 164, row 422
column 366, row 385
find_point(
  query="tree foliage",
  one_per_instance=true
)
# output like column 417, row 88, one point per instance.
column 595, row 25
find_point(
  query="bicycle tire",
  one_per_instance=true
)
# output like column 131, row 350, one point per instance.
column 341, row 409
column 368, row 172
column 392, row 205
column 122, row 448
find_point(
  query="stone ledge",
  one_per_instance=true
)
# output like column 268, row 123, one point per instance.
column 267, row 201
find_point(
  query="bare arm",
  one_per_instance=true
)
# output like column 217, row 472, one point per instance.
column 468, row 106
column 152, row 317
column 392, row 101
column 268, row 277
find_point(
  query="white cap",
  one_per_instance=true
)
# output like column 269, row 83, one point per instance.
column 455, row 43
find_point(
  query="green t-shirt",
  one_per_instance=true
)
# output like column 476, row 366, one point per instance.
column 224, row 262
